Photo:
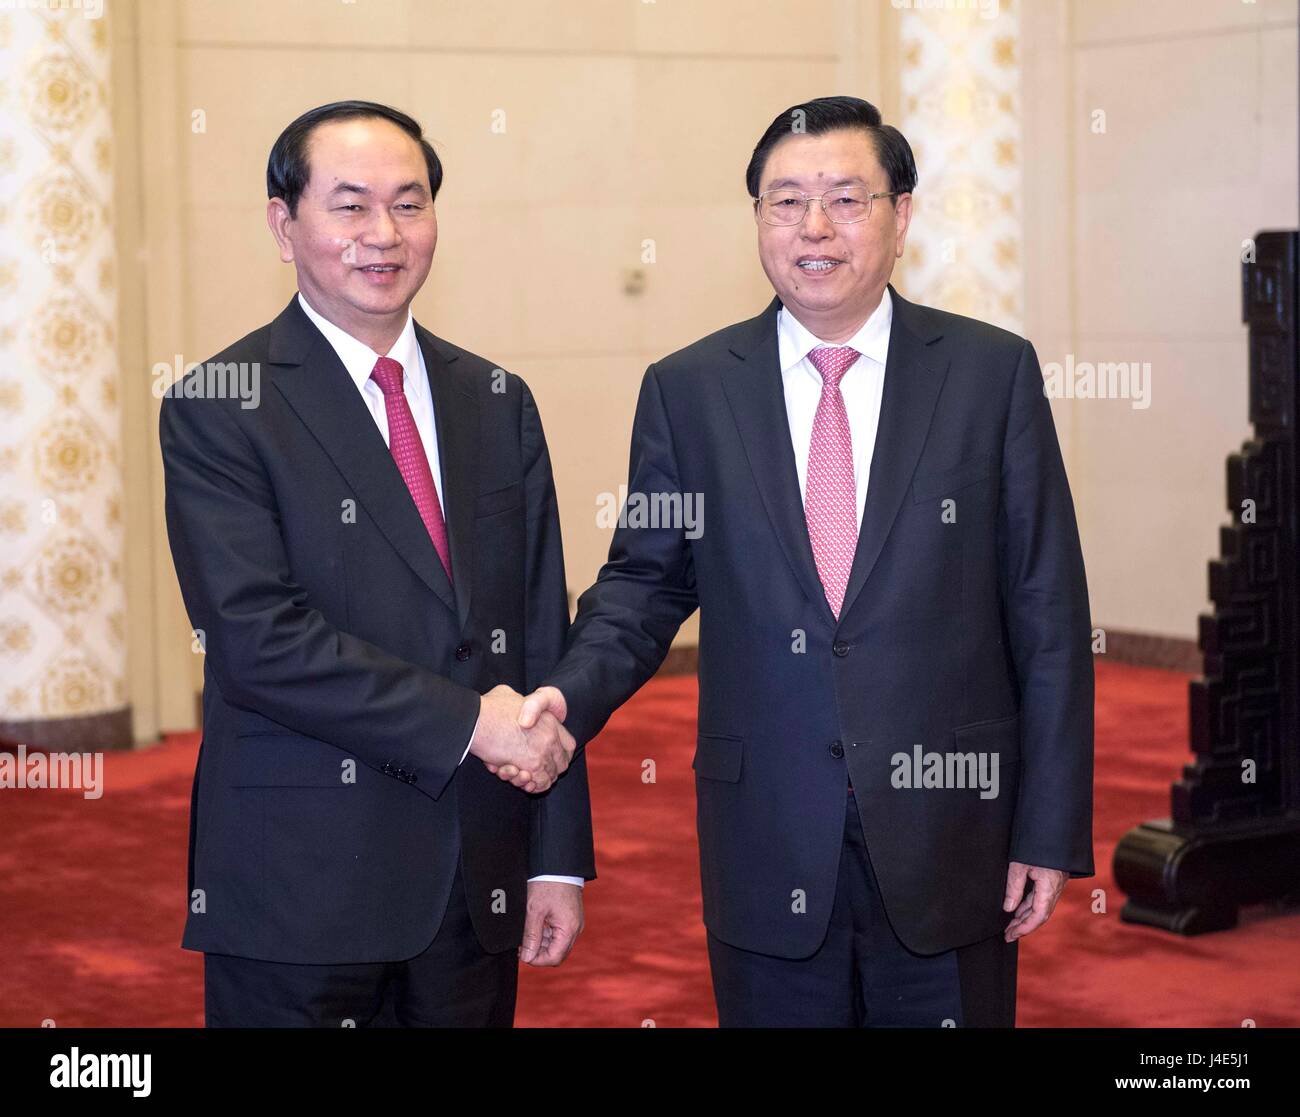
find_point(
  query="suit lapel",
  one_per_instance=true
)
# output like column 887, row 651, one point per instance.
column 756, row 394
column 315, row 384
column 456, row 416
column 913, row 380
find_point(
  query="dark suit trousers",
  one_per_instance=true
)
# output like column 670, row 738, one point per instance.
column 861, row 975
column 453, row 983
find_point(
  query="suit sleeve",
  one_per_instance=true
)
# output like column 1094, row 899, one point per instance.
column 561, row 836
column 627, row 620
column 1045, row 603
column 270, row 651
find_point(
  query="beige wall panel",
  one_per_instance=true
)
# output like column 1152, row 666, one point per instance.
column 306, row 23
column 538, row 26
column 697, row 121
column 1108, row 20
column 706, row 273
column 540, row 129
column 1199, row 153
column 738, row 27
column 226, row 164
column 236, row 280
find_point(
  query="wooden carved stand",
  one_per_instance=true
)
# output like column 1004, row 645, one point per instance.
column 1234, row 834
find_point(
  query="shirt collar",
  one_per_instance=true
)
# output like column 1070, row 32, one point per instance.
column 357, row 357
column 795, row 341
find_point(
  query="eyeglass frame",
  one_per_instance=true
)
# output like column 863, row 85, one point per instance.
column 821, row 198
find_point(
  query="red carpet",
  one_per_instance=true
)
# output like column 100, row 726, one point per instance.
column 91, row 894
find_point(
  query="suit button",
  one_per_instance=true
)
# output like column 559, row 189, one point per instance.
column 462, row 653
column 387, row 769
column 840, row 648
column 412, row 778
column 837, row 750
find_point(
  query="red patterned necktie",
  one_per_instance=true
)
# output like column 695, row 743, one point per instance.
column 830, row 497
column 408, row 452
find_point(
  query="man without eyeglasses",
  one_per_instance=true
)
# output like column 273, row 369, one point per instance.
column 373, row 557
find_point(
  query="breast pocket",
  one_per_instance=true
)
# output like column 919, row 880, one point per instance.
column 944, row 482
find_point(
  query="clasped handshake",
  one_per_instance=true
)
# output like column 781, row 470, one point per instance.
column 522, row 740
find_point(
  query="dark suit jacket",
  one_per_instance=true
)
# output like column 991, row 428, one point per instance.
column 343, row 673
column 970, row 636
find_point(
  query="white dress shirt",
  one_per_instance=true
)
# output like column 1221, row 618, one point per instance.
column 359, row 359
column 862, row 387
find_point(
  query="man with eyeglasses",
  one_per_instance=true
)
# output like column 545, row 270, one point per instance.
column 894, row 761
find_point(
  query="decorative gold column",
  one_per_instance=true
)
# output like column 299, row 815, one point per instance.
column 959, row 85
column 62, row 604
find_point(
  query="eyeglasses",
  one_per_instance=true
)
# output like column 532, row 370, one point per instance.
column 844, row 206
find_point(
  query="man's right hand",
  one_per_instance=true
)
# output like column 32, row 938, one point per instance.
column 545, row 705
column 542, row 700
column 532, row 758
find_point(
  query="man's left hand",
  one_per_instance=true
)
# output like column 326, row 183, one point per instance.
column 1036, row 908
column 553, row 922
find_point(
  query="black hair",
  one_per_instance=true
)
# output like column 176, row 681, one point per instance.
column 827, row 114
column 287, row 171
